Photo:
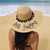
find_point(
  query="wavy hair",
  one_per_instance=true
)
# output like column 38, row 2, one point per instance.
column 20, row 39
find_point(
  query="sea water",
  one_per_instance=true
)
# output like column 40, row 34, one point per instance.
column 7, row 8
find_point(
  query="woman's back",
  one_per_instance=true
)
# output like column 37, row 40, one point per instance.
column 34, row 36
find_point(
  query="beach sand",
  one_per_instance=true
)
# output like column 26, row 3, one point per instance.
column 43, row 30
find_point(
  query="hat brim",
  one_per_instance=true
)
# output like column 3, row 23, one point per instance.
column 27, row 26
column 22, row 27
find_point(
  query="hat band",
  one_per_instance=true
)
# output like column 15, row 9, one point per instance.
column 25, row 20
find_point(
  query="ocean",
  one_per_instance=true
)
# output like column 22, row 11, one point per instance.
column 7, row 8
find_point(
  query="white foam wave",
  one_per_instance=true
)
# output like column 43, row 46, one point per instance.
column 9, row 9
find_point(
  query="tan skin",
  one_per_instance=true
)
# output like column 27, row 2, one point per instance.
column 11, row 38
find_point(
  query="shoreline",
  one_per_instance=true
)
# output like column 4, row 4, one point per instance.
column 9, row 9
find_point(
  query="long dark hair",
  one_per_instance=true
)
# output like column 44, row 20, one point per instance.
column 20, row 39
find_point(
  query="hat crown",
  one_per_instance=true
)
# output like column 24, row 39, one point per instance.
column 24, row 12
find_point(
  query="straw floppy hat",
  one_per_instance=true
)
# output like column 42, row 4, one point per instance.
column 26, row 20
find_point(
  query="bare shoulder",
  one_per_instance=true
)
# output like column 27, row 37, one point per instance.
column 12, row 32
column 36, row 36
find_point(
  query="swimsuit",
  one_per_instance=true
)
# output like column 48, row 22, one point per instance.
column 17, row 33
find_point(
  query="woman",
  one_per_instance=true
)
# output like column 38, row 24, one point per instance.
column 22, row 35
column 33, row 37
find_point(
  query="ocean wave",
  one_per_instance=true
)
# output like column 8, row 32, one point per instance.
column 9, row 9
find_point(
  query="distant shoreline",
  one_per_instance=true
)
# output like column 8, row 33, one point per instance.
column 9, row 1
column 9, row 9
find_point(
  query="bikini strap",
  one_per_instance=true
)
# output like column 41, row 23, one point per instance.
column 27, row 45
